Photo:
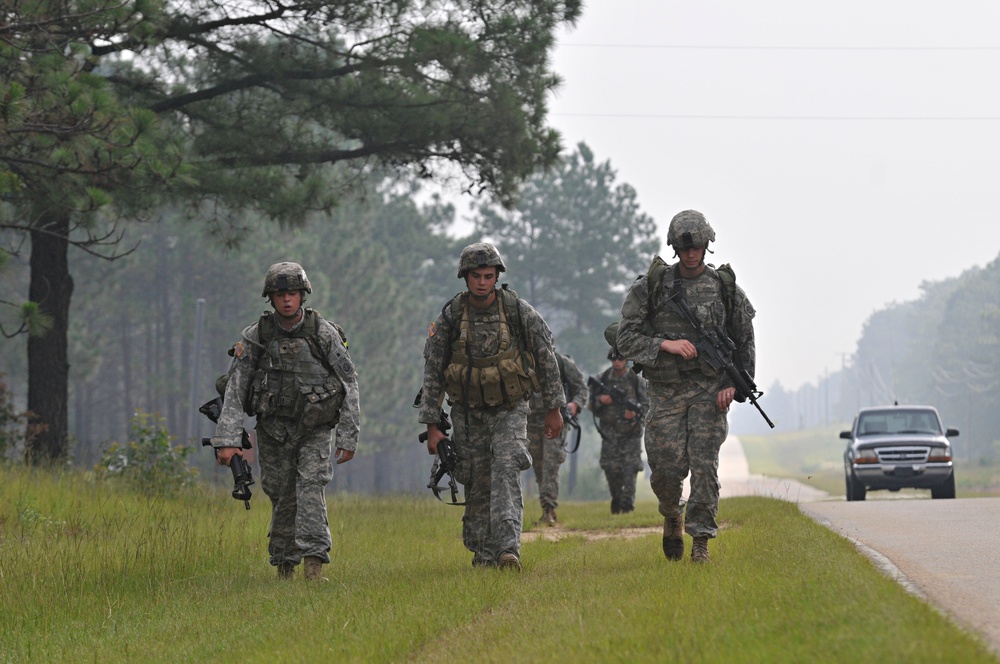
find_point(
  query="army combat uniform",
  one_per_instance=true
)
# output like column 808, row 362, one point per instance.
column 621, row 439
column 302, row 386
column 488, row 361
column 547, row 455
column 684, row 427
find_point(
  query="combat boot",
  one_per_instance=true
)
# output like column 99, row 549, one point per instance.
column 314, row 568
column 549, row 517
column 699, row 552
column 509, row 561
column 673, row 537
column 286, row 571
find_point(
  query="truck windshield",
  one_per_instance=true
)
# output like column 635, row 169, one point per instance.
column 898, row 420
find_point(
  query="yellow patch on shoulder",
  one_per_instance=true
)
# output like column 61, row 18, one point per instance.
column 431, row 330
column 239, row 349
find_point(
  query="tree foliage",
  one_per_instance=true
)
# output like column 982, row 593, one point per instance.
column 135, row 343
column 573, row 243
column 259, row 106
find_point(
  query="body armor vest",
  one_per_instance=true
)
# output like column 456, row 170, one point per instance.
column 292, row 380
column 502, row 379
column 704, row 294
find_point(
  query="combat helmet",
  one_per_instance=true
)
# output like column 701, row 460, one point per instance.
column 611, row 336
column 689, row 229
column 477, row 255
column 285, row 277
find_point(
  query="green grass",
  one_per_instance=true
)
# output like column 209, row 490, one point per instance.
column 90, row 571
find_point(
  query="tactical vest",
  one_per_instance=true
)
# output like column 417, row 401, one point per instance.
column 710, row 301
column 292, row 380
column 502, row 379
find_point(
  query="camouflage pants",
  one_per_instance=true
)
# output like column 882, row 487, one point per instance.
column 684, row 431
column 294, row 475
column 546, row 458
column 492, row 451
column 621, row 460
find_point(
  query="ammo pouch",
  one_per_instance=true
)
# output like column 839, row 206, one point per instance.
column 664, row 371
column 503, row 379
column 258, row 401
column 321, row 404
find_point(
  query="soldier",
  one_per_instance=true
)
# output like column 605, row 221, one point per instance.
column 291, row 369
column 689, row 399
column 621, row 430
column 548, row 454
column 488, row 350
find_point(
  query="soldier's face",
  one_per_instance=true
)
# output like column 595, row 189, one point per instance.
column 481, row 281
column 691, row 257
column 287, row 303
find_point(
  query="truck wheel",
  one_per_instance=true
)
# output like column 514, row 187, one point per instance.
column 946, row 490
column 855, row 489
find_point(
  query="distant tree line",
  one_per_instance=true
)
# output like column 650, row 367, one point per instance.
column 941, row 349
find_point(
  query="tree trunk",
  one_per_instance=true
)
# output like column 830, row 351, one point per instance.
column 48, row 365
column 128, row 390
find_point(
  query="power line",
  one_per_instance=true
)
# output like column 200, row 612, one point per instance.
column 851, row 118
column 709, row 47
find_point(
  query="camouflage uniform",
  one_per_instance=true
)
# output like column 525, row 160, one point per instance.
column 296, row 458
column 548, row 455
column 621, row 439
column 684, row 427
column 491, row 441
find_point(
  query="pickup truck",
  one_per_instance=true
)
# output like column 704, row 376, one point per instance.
column 898, row 447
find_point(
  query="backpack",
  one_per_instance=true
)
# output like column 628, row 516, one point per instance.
column 452, row 313
column 310, row 331
column 725, row 273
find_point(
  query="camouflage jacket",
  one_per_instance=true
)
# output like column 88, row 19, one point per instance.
column 532, row 334
column 247, row 354
column 646, row 324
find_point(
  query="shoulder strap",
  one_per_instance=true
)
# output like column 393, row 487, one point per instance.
column 728, row 278
column 265, row 328
column 511, row 302
column 311, row 335
column 654, row 281
column 452, row 312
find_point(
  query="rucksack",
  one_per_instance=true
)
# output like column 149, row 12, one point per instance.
column 452, row 312
column 725, row 273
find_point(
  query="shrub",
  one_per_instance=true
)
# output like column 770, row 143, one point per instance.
column 16, row 430
column 148, row 462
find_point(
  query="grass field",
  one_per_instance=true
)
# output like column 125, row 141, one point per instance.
column 91, row 571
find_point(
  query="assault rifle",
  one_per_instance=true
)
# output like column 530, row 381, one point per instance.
column 446, row 460
column 718, row 350
column 617, row 394
column 574, row 423
column 242, row 471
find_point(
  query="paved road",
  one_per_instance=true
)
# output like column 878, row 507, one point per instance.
column 944, row 551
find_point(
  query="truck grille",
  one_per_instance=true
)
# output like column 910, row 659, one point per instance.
column 903, row 454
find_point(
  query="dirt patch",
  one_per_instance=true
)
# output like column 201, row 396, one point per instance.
column 556, row 533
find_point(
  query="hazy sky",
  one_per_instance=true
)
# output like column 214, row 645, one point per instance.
column 844, row 152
